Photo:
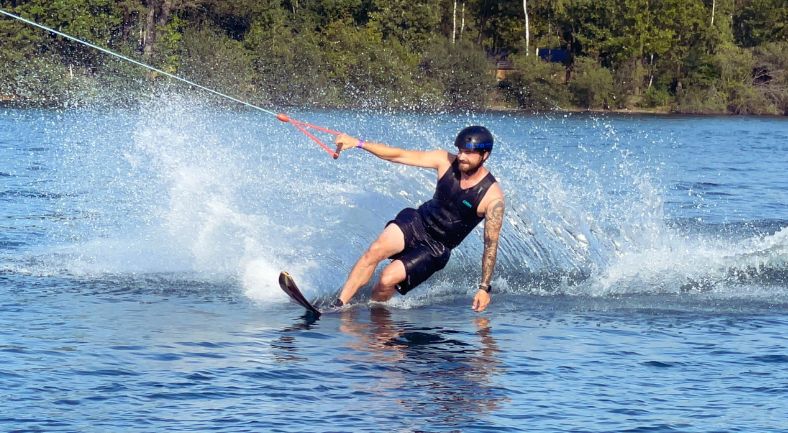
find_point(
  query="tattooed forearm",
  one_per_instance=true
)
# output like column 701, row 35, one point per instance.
column 493, row 221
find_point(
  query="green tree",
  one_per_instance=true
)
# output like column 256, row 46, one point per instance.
column 218, row 62
column 289, row 65
column 592, row 85
column 756, row 22
column 536, row 85
column 771, row 73
column 735, row 67
column 410, row 22
column 703, row 55
column 92, row 20
column 461, row 69
column 499, row 25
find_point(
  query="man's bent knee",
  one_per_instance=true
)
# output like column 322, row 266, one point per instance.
column 390, row 278
column 393, row 274
column 375, row 253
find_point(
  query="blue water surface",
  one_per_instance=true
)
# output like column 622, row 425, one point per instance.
column 642, row 282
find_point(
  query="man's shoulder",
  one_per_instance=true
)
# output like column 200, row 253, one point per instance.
column 444, row 160
column 494, row 183
column 494, row 193
column 449, row 157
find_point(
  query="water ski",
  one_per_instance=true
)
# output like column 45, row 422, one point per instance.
column 288, row 286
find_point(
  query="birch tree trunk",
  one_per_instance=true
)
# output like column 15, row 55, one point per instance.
column 149, row 35
column 462, row 24
column 713, row 6
column 527, row 30
column 158, row 14
column 651, row 76
column 454, row 23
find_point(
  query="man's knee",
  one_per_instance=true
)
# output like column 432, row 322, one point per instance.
column 385, row 288
column 375, row 253
column 393, row 274
column 390, row 277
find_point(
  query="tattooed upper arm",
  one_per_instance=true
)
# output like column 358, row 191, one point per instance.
column 493, row 218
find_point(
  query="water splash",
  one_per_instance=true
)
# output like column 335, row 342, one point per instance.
column 178, row 187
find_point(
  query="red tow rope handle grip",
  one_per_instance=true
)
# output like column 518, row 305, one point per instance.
column 285, row 118
column 320, row 128
column 330, row 151
column 301, row 126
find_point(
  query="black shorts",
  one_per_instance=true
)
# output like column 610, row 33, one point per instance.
column 423, row 255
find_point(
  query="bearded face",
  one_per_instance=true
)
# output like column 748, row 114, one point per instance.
column 470, row 161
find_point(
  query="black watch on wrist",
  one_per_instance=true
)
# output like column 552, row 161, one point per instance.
column 486, row 287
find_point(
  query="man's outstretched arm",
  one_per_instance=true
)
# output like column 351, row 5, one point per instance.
column 493, row 221
column 431, row 159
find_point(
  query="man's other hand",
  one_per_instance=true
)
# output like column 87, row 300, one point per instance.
column 481, row 301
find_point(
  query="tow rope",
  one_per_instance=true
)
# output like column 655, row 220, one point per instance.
column 301, row 126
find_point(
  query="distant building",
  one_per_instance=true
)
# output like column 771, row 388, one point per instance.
column 502, row 68
column 553, row 55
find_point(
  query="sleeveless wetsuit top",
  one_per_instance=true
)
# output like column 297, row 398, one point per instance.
column 451, row 213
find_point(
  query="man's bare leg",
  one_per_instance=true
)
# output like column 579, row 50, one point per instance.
column 390, row 242
column 392, row 275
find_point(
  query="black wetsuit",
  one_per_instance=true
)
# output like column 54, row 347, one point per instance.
column 438, row 226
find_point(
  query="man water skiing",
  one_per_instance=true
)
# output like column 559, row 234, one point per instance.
column 419, row 241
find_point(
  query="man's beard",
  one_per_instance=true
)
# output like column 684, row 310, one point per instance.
column 471, row 169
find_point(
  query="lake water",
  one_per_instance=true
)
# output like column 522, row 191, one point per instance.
column 642, row 282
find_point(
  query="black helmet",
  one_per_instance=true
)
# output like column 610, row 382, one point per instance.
column 476, row 138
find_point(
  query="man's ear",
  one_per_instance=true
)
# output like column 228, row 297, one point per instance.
column 485, row 156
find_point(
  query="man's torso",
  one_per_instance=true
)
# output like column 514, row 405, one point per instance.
column 453, row 211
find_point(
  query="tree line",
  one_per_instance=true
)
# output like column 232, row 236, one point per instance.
column 693, row 56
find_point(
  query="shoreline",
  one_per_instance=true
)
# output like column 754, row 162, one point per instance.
column 630, row 111
column 11, row 101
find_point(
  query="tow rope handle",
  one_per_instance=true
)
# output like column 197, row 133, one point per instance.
column 302, row 126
